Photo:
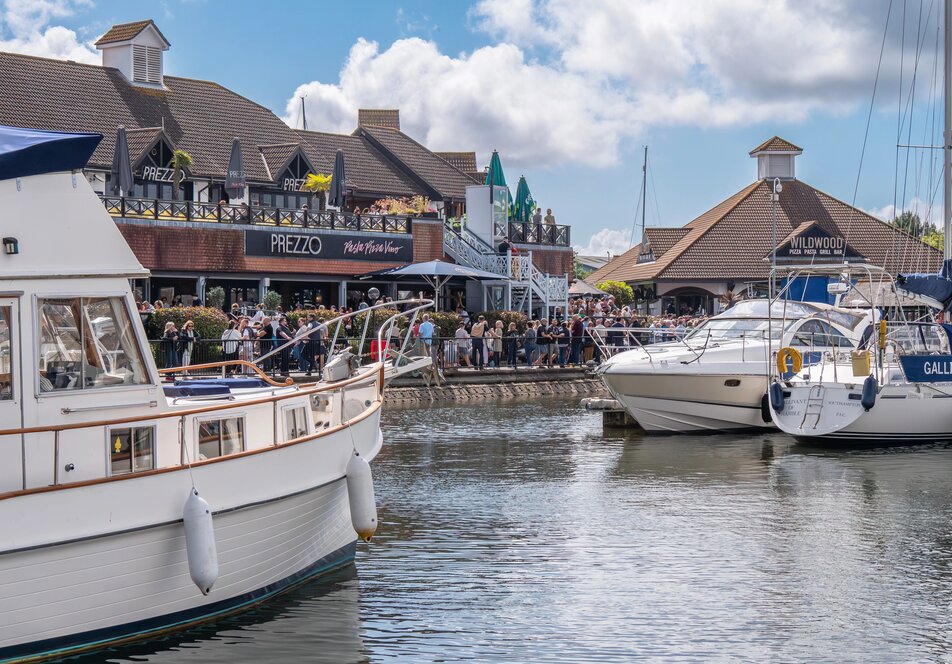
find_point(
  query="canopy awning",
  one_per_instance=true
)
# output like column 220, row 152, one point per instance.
column 32, row 151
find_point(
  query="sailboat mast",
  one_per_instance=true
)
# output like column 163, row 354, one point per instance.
column 644, row 188
column 947, row 134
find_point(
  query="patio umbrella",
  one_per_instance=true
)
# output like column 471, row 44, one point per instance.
column 436, row 274
column 582, row 287
column 121, row 173
column 235, row 181
column 495, row 176
column 522, row 204
column 338, row 190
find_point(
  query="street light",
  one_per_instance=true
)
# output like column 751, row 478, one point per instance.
column 774, row 197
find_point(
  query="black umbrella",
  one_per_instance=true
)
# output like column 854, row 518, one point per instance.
column 235, row 181
column 121, row 173
column 335, row 197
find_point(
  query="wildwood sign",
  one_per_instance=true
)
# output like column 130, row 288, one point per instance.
column 815, row 243
column 310, row 245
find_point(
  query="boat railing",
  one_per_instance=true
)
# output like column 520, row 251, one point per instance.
column 372, row 376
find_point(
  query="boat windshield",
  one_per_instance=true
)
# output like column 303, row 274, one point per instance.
column 736, row 328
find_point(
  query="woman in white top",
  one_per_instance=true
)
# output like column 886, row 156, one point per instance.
column 230, row 342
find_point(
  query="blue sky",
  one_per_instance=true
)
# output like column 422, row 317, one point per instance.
column 569, row 94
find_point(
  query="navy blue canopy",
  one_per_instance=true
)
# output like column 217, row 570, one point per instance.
column 935, row 286
column 32, row 151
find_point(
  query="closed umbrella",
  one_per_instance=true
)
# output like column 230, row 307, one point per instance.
column 235, row 180
column 495, row 177
column 338, row 190
column 121, row 173
column 522, row 205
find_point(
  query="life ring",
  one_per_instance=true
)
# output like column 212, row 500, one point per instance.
column 786, row 353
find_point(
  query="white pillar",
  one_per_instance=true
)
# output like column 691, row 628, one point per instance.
column 342, row 294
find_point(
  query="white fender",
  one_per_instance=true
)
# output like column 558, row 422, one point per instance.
column 360, row 491
column 200, row 542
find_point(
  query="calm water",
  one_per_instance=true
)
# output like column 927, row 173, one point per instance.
column 520, row 533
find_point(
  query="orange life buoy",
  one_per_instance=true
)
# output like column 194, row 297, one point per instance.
column 788, row 353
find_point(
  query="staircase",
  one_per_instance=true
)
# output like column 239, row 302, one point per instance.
column 522, row 286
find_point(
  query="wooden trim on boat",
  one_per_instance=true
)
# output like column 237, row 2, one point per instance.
column 184, row 467
column 316, row 389
column 217, row 365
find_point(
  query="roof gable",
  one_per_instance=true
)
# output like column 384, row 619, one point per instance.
column 775, row 144
column 126, row 31
column 277, row 157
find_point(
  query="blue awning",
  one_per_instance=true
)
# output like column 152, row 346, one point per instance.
column 33, row 151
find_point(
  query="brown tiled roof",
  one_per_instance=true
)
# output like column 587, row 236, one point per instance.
column 368, row 172
column 379, row 117
column 276, row 157
column 199, row 117
column 663, row 238
column 731, row 240
column 461, row 161
column 615, row 266
column 437, row 174
column 775, row 144
column 126, row 31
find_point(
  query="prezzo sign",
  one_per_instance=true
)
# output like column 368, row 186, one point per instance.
column 157, row 173
column 292, row 184
column 348, row 247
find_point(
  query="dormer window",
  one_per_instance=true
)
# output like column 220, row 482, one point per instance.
column 146, row 64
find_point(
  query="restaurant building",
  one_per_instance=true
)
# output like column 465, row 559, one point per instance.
column 726, row 252
column 275, row 235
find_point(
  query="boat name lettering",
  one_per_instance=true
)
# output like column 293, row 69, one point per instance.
column 937, row 367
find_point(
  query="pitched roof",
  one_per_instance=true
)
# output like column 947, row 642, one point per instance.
column 367, row 171
column 126, row 31
column 379, row 117
column 141, row 139
column 730, row 240
column 663, row 238
column 276, row 157
column 461, row 161
column 775, row 144
column 434, row 172
column 199, row 117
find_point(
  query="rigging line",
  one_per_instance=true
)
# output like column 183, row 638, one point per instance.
column 634, row 223
column 902, row 66
column 654, row 192
column 869, row 117
column 911, row 103
column 929, row 127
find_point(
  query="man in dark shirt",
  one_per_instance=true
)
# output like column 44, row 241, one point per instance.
column 265, row 336
column 577, row 332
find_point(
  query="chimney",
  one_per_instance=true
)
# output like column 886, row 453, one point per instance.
column 136, row 50
column 776, row 158
column 379, row 117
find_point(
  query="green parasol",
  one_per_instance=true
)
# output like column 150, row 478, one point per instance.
column 522, row 205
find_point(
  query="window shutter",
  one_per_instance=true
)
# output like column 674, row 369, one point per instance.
column 146, row 64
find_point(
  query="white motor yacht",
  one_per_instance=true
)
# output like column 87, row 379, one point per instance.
column 716, row 378
column 130, row 508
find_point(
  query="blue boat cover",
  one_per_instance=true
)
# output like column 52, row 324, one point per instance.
column 936, row 286
column 236, row 383
column 194, row 390
column 32, row 151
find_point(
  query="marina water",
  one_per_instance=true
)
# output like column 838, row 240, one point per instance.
column 520, row 532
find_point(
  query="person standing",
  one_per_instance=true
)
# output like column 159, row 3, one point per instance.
column 576, row 335
column 426, row 336
column 170, row 340
column 462, row 344
column 283, row 335
column 563, row 338
column 537, row 223
column 187, row 339
column 301, row 346
column 246, row 351
column 529, row 343
column 498, row 334
column 477, row 333
column 230, row 341
column 265, row 338
column 511, row 343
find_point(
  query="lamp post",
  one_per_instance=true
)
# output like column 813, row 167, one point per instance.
column 774, row 197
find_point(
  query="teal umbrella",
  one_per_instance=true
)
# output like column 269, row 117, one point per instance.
column 495, row 176
column 522, row 205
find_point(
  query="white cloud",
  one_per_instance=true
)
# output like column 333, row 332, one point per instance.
column 605, row 241
column 929, row 213
column 569, row 82
column 24, row 28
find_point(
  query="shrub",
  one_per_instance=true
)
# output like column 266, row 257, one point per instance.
column 272, row 300
column 215, row 297
column 446, row 323
column 209, row 322
column 517, row 317
column 622, row 291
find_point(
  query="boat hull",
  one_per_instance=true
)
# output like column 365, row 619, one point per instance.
column 58, row 598
column 713, row 403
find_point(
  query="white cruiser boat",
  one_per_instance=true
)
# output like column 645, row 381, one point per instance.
column 716, row 378
column 130, row 509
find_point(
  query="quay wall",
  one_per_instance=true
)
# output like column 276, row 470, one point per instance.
column 490, row 387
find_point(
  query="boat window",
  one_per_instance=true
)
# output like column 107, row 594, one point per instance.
column 819, row 334
column 918, row 338
column 6, row 354
column 87, row 343
column 295, row 422
column 736, row 328
column 220, row 437
column 131, row 449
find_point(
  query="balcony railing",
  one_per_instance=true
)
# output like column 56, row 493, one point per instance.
column 162, row 210
column 530, row 233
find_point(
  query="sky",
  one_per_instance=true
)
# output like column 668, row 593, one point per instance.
column 570, row 92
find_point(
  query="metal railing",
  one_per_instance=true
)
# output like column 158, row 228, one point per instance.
column 163, row 210
column 530, row 233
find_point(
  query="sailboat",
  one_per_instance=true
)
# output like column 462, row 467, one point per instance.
column 898, row 388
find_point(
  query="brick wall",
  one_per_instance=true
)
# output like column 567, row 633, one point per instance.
column 223, row 250
column 552, row 260
column 427, row 240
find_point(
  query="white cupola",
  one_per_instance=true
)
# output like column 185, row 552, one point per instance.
column 776, row 159
column 136, row 50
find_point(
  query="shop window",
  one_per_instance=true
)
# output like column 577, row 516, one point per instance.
column 87, row 343
column 220, row 437
column 131, row 449
column 295, row 422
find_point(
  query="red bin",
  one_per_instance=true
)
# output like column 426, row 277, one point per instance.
column 375, row 349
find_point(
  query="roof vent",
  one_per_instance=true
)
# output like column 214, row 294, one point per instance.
column 379, row 117
column 135, row 49
column 775, row 159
